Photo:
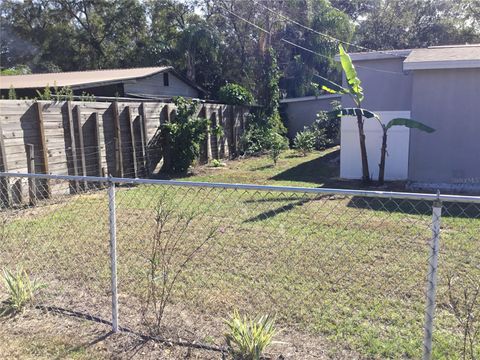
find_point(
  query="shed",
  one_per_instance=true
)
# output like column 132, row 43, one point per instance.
column 439, row 86
column 302, row 111
column 147, row 83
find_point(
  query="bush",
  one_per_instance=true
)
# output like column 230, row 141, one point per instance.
column 305, row 141
column 217, row 163
column 247, row 339
column 234, row 94
column 255, row 140
column 277, row 143
column 182, row 136
column 326, row 129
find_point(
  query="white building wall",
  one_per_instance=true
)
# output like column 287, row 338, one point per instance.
column 396, row 167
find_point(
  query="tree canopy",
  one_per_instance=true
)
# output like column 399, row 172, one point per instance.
column 215, row 42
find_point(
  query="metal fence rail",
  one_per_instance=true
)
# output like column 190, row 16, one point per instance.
column 348, row 273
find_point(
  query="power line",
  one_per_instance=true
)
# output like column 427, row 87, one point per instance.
column 329, row 37
column 304, row 48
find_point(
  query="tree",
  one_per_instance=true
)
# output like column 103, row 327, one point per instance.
column 400, row 24
column 355, row 91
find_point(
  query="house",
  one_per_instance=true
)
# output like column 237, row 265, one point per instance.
column 439, row 86
column 147, row 83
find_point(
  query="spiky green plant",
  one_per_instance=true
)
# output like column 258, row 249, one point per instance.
column 21, row 290
column 247, row 339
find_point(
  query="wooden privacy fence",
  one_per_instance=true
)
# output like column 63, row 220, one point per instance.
column 97, row 139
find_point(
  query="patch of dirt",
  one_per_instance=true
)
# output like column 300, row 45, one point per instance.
column 53, row 335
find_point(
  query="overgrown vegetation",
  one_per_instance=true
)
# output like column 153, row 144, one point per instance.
column 181, row 137
column 248, row 339
column 234, row 94
column 270, row 93
column 260, row 139
column 21, row 290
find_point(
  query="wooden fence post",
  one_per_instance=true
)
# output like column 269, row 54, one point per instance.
column 98, row 144
column 73, row 147
column 32, row 185
column 43, row 146
column 81, row 144
column 204, row 144
column 132, row 141
column 100, row 171
column 144, row 136
column 118, row 141
column 5, row 194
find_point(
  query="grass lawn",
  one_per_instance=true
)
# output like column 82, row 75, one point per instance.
column 345, row 276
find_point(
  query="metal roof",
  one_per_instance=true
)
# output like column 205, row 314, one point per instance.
column 444, row 57
column 83, row 79
column 378, row 55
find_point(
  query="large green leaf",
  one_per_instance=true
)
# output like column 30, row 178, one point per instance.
column 352, row 112
column 350, row 73
column 330, row 86
column 410, row 123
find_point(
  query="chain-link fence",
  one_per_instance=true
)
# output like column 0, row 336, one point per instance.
column 346, row 273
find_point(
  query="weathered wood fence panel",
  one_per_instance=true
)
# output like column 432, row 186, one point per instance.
column 95, row 138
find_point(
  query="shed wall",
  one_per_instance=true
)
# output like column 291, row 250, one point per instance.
column 386, row 86
column 153, row 85
column 447, row 101
column 303, row 113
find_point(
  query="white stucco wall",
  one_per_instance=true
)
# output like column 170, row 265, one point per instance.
column 396, row 167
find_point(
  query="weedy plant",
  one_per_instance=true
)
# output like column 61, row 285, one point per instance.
column 464, row 302
column 21, row 290
column 170, row 253
column 304, row 141
column 247, row 339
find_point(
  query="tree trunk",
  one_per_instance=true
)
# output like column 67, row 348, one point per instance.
column 381, row 172
column 363, row 150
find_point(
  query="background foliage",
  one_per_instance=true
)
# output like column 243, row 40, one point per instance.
column 209, row 42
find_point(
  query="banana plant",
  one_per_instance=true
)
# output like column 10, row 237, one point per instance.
column 409, row 123
column 355, row 91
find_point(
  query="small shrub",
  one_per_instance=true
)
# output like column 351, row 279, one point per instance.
column 305, row 141
column 247, row 339
column 278, row 143
column 235, row 94
column 326, row 129
column 46, row 94
column 21, row 290
column 87, row 97
column 12, row 95
column 216, row 163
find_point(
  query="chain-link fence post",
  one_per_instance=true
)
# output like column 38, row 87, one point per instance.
column 432, row 279
column 113, row 253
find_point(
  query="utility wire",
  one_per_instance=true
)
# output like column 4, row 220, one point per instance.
column 304, row 48
column 329, row 37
